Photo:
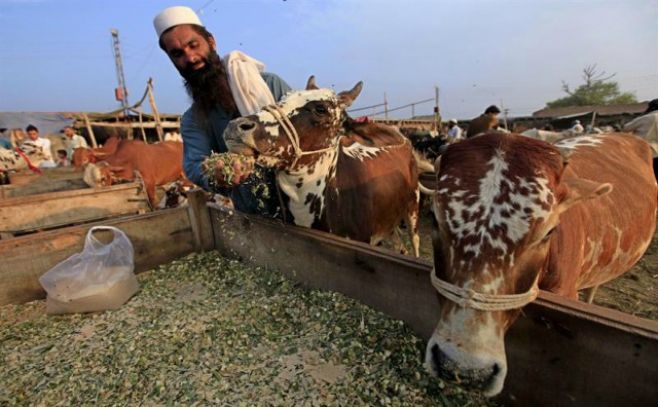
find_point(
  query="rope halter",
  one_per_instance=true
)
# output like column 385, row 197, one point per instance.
column 484, row 302
column 290, row 131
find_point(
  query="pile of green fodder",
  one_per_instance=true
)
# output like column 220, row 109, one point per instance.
column 208, row 330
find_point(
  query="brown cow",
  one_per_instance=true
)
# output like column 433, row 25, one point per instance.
column 82, row 156
column 512, row 214
column 357, row 180
column 157, row 164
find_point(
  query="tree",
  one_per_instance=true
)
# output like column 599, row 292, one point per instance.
column 598, row 89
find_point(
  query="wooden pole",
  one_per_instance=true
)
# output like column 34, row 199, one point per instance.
column 141, row 126
column 154, row 108
column 385, row 107
column 90, row 131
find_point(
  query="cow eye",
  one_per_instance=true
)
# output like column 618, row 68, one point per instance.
column 320, row 109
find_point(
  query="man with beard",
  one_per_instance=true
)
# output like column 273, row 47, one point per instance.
column 217, row 99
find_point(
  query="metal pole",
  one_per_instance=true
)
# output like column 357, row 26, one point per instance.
column 437, row 115
column 502, row 107
column 119, row 67
column 413, row 110
column 385, row 107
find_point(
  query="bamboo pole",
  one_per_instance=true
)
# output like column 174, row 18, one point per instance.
column 141, row 126
column 94, row 144
column 154, row 108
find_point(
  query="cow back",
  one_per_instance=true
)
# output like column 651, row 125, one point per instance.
column 599, row 239
column 375, row 184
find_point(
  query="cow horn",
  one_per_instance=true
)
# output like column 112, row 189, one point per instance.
column 310, row 84
column 346, row 98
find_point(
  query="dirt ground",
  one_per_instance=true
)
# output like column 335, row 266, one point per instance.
column 635, row 292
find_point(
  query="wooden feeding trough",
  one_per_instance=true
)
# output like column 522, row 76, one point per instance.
column 560, row 352
column 28, row 213
column 51, row 180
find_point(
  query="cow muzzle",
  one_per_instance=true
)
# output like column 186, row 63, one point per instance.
column 239, row 136
column 481, row 373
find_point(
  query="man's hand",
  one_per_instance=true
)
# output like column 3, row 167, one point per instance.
column 228, row 169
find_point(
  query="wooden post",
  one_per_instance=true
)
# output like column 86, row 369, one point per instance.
column 90, row 131
column 154, row 108
column 204, row 238
column 141, row 126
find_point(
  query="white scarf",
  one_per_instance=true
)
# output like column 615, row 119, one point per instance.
column 248, row 88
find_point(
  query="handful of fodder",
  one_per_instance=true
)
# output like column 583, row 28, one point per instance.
column 228, row 169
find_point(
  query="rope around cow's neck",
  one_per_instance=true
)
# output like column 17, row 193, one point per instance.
column 290, row 131
column 484, row 302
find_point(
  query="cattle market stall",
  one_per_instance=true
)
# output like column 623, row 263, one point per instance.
column 560, row 352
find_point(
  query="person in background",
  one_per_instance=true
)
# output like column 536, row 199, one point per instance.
column 219, row 95
column 577, row 128
column 646, row 126
column 62, row 160
column 44, row 143
column 73, row 141
column 5, row 142
column 454, row 131
column 485, row 122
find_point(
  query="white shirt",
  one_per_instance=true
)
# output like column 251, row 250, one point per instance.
column 455, row 132
column 577, row 128
column 646, row 127
column 48, row 161
column 72, row 143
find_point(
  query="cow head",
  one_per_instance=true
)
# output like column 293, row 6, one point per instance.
column 497, row 207
column 101, row 174
column 292, row 133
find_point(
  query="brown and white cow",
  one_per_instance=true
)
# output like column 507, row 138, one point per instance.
column 157, row 164
column 28, row 154
column 513, row 214
column 357, row 180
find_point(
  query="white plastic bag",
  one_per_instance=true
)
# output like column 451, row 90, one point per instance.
column 100, row 277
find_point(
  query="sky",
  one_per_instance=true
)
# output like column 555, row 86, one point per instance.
column 56, row 55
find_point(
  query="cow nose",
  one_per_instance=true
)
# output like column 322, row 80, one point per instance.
column 478, row 378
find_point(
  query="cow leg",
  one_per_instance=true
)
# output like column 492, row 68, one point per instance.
column 590, row 293
column 398, row 244
column 412, row 224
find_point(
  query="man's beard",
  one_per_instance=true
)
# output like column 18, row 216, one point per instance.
column 209, row 87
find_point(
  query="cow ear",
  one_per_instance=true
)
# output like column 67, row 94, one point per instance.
column 583, row 189
column 310, row 84
column 346, row 98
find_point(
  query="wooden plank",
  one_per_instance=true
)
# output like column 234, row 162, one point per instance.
column 25, row 177
column 157, row 238
column 43, row 186
column 27, row 213
column 200, row 220
column 560, row 352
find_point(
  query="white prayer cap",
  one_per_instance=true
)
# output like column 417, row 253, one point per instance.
column 174, row 16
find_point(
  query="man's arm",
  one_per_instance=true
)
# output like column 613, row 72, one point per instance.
column 196, row 147
column 278, row 86
column 634, row 124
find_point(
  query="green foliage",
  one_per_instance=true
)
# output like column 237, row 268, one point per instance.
column 597, row 90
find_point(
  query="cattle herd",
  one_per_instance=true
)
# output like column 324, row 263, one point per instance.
column 512, row 214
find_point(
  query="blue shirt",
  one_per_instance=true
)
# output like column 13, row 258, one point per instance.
column 200, row 139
